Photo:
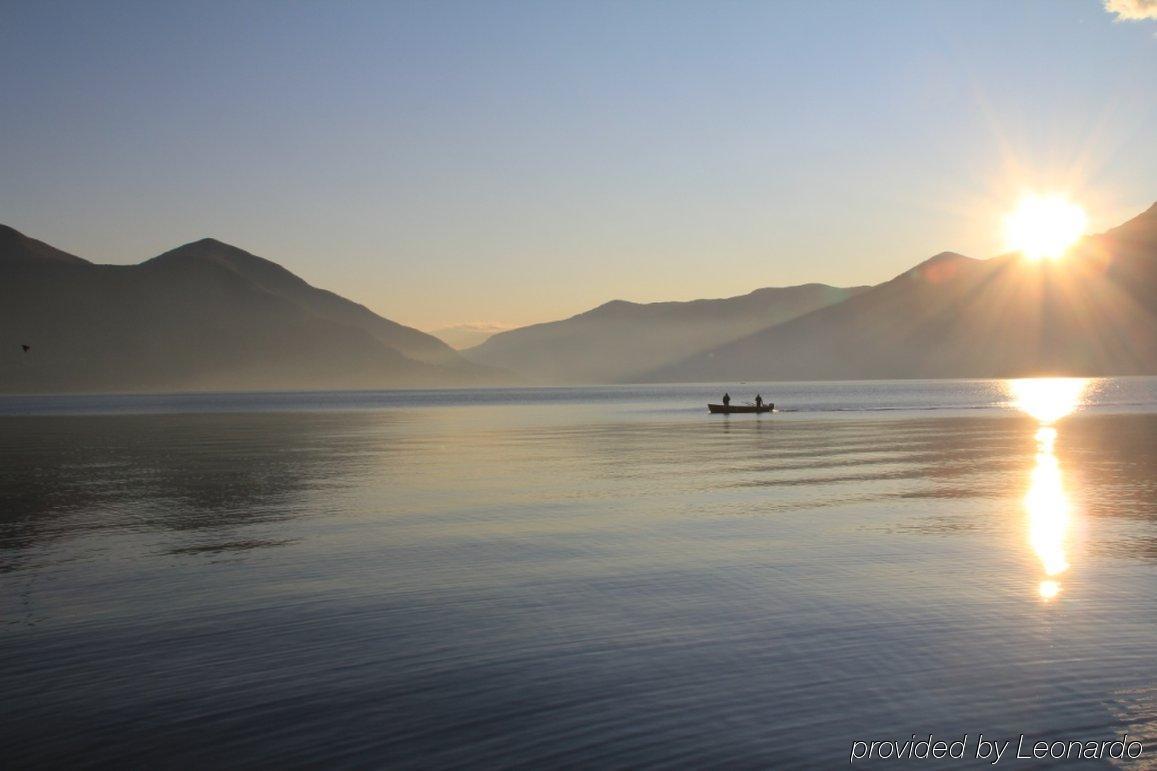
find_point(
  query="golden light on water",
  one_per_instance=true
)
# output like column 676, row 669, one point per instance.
column 1049, row 589
column 1048, row 399
column 1049, row 511
column 1048, row 507
column 1044, row 227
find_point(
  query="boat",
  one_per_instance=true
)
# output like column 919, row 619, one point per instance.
column 727, row 409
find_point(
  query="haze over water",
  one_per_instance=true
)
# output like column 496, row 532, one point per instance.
column 591, row 576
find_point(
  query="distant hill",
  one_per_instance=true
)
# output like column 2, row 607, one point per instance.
column 1092, row 313
column 206, row 315
column 468, row 335
column 620, row 341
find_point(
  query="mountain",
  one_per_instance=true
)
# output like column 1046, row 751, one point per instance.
column 18, row 249
column 1094, row 312
column 277, row 280
column 468, row 335
column 619, row 341
column 206, row 315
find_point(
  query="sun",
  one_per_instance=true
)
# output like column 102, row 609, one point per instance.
column 1044, row 227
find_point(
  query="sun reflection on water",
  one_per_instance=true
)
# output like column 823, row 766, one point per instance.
column 1048, row 400
column 1048, row 506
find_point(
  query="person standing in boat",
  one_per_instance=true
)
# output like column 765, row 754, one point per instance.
column 726, row 400
column 758, row 401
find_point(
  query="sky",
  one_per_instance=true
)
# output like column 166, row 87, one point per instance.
column 513, row 162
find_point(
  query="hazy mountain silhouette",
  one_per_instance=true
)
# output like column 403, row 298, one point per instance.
column 619, row 341
column 468, row 335
column 18, row 249
column 211, row 316
column 203, row 316
column 275, row 279
column 1092, row 313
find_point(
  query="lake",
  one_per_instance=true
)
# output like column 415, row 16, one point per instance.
column 603, row 576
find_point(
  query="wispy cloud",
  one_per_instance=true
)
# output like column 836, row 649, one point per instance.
column 1132, row 10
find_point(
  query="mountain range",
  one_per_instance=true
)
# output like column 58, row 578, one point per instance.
column 468, row 334
column 204, row 316
column 210, row 316
column 1093, row 312
column 622, row 341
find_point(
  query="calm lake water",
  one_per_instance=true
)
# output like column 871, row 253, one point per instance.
column 575, row 577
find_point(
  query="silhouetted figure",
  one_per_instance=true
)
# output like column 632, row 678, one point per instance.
column 758, row 400
column 26, row 348
column 726, row 399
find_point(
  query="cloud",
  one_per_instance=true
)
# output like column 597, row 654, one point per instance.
column 1132, row 10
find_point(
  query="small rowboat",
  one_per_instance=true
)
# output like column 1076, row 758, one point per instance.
column 729, row 408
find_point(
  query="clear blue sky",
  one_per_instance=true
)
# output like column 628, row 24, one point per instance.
column 522, row 161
